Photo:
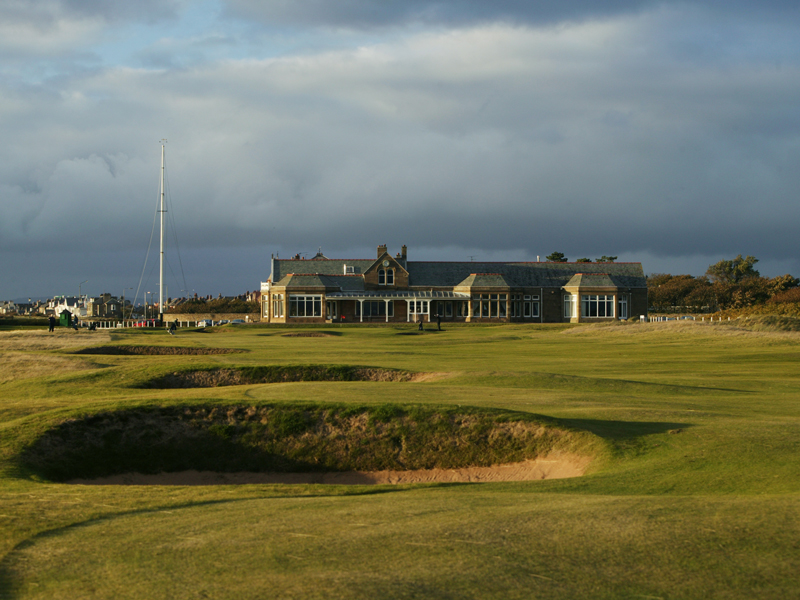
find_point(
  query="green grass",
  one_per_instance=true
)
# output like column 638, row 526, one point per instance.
column 697, row 495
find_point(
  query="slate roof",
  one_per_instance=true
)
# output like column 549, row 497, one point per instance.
column 332, row 266
column 313, row 280
column 484, row 280
column 588, row 280
column 452, row 274
column 523, row 274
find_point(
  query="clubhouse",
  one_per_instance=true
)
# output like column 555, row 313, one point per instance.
column 392, row 289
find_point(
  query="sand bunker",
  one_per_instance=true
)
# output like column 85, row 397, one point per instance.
column 311, row 334
column 153, row 351
column 550, row 467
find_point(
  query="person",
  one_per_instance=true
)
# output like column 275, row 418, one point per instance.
column 439, row 321
column 173, row 327
column 52, row 321
column 75, row 323
column 420, row 323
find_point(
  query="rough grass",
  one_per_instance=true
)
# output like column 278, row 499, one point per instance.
column 698, row 497
column 218, row 377
column 293, row 439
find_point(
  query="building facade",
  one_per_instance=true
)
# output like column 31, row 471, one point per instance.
column 392, row 289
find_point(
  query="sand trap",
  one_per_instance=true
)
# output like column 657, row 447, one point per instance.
column 551, row 467
column 311, row 334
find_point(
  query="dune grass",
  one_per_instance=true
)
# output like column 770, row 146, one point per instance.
column 697, row 495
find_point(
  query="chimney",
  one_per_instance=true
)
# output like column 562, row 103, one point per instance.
column 403, row 251
column 381, row 250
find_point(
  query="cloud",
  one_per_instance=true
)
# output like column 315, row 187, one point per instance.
column 626, row 136
column 46, row 28
column 367, row 14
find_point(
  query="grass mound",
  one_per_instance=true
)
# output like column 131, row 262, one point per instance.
column 153, row 351
column 770, row 323
column 218, row 377
column 291, row 438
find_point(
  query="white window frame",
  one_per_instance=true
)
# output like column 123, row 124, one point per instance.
column 623, row 307
column 570, row 306
column 597, row 303
column 419, row 307
column 314, row 300
column 277, row 305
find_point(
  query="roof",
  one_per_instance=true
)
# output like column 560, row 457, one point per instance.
column 588, row 280
column 313, row 280
column 484, row 280
column 320, row 266
column 432, row 274
column 523, row 274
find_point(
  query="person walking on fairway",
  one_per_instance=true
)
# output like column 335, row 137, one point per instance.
column 52, row 321
column 173, row 327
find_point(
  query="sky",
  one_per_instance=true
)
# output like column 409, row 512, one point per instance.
column 666, row 133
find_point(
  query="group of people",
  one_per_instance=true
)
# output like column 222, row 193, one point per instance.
column 74, row 324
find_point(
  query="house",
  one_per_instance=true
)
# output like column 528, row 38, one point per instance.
column 104, row 306
column 393, row 289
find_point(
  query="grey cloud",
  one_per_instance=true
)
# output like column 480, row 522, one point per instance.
column 46, row 12
column 381, row 13
column 492, row 140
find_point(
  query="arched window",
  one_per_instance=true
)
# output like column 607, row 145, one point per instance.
column 381, row 277
column 389, row 276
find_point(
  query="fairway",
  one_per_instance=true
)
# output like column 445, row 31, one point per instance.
column 691, row 432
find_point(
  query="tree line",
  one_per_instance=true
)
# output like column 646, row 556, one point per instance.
column 728, row 284
column 217, row 305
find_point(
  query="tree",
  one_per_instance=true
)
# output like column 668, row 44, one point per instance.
column 584, row 260
column 678, row 292
column 606, row 259
column 556, row 257
column 733, row 271
column 781, row 283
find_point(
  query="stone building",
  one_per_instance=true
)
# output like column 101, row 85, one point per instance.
column 393, row 289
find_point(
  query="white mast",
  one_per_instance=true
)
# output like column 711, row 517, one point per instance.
column 161, row 262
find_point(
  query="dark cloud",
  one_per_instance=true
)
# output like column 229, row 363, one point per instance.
column 381, row 13
column 637, row 137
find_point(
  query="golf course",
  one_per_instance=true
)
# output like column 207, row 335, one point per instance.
column 619, row 460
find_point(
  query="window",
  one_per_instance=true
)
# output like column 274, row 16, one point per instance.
column 463, row 309
column 277, row 305
column 305, row 306
column 386, row 277
column 570, row 302
column 374, row 308
column 448, row 309
column 623, row 307
column 488, row 306
column 418, row 307
column 599, row 306
column 330, row 310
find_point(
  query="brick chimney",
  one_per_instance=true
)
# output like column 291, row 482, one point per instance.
column 381, row 250
column 403, row 251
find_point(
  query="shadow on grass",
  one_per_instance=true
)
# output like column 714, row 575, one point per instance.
column 10, row 587
column 623, row 430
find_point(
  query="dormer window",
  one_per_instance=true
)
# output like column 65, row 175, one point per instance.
column 386, row 277
column 349, row 270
